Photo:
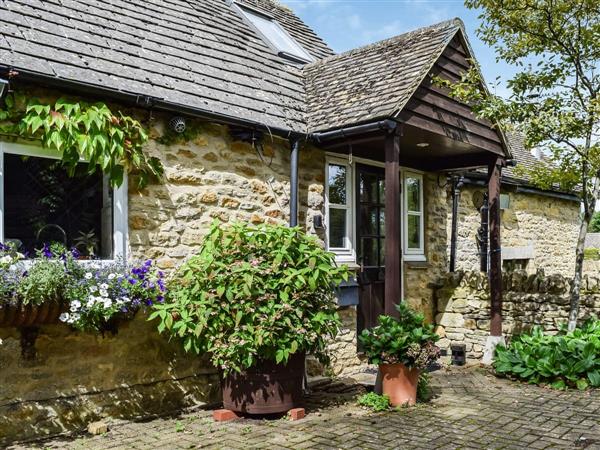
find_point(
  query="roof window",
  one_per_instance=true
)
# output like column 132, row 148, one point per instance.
column 275, row 35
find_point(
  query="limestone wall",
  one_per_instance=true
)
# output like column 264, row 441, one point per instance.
column 463, row 306
column 77, row 378
column 214, row 177
column 549, row 226
column 419, row 275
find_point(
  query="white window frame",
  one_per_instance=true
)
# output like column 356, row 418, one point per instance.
column 120, row 205
column 413, row 254
column 347, row 253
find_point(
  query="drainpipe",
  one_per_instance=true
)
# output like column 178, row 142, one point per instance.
column 457, row 184
column 295, row 149
column 482, row 235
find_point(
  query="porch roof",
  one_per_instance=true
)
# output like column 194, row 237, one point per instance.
column 373, row 82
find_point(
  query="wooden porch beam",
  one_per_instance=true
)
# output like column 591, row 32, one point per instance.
column 393, row 191
column 495, row 273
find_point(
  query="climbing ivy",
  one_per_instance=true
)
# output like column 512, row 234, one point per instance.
column 111, row 142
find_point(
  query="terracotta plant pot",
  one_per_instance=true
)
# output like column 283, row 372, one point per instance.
column 399, row 383
column 18, row 315
column 268, row 388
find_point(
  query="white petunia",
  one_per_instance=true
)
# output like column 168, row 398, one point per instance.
column 5, row 259
column 112, row 276
column 88, row 275
column 93, row 289
column 104, row 286
column 91, row 302
column 107, row 303
column 103, row 293
column 75, row 305
column 64, row 317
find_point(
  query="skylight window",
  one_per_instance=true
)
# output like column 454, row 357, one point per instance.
column 274, row 35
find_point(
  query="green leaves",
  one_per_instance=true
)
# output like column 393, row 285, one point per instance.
column 406, row 340
column 568, row 359
column 112, row 143
column 254, row 293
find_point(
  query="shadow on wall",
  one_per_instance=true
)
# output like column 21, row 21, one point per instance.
column 78, row 378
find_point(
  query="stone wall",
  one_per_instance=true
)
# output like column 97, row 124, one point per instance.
column 548, row 226
column 463, row 306
column 77, row 378
column 214, row 177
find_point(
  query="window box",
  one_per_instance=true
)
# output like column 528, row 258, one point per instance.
column 16, row 314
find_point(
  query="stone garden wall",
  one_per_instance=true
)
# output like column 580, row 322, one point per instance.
column 463, row 306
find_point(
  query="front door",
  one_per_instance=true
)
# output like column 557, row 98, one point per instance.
column 370, row 240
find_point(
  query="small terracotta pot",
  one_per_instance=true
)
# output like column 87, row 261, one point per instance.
column 399, row 383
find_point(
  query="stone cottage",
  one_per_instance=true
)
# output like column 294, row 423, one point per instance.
column 254, row 118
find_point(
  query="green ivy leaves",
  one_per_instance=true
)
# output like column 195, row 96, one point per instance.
column 110, row 142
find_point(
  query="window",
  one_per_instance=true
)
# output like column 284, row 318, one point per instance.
column 274, row 35
column 413, row 216
column 41, row 203
column 342, row 215
column 339, row 209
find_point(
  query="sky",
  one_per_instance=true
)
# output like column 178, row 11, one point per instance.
column 347, row 24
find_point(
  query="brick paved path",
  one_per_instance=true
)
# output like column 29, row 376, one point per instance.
column 471, row 410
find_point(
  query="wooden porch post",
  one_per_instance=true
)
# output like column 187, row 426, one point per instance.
column 392, row 222
column 495, row 274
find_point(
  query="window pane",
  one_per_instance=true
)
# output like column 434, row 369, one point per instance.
column 337, row 228
column 368, row 187
column 413, row 194
column 368, row 220
column 42, row 204
column 272, row 31
column 368, row 252
column 414, row 231
column 337, row 184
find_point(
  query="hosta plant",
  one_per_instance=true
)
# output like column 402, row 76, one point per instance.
column 406, row 339
column 252, row 294
column 567, row 359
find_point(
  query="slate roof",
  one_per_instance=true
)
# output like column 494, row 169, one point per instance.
column 196, row 53
column 374, row 81
column 520, row 154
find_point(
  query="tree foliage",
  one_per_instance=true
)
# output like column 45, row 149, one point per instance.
column 110, row 142
column 554, row 96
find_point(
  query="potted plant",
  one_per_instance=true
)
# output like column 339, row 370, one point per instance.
column 402, row 347
column 256, row 299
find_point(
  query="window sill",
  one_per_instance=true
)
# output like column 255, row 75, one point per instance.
column 414, row 258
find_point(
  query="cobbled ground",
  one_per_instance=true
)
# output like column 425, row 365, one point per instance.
column 470, row 409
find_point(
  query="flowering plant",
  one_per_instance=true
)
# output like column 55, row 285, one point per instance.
column 9, row 255
column 406, row 339
column 111, row 290
column 254, row 294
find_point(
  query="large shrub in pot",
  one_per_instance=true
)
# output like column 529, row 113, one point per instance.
column 253, row 294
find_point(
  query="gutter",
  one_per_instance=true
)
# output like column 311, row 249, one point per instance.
column 323, row 137
column 473, row 180
column 147, row 102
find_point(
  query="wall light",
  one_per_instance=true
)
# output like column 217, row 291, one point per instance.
column 423, row 144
